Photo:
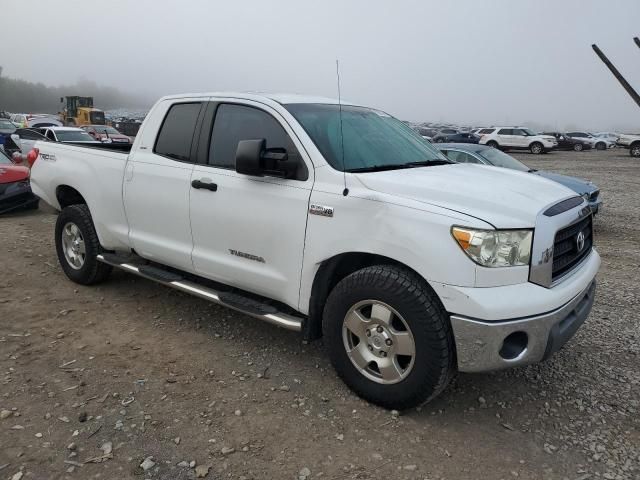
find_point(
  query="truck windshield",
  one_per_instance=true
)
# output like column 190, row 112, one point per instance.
column 373, row 140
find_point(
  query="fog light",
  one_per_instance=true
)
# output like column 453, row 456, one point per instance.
column 514, row 345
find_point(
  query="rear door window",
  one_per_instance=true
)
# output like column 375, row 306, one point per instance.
column 176, row 133
column 505, row 131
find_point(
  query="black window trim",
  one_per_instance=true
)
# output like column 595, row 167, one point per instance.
column 204, row 140
column 194, row 136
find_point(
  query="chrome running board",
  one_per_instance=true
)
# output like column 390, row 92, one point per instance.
column 233, row 301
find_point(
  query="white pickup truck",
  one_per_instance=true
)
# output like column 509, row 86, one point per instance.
column 337, row 221
column 632, row 142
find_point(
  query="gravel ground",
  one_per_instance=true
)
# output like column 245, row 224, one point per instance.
column 107, row 381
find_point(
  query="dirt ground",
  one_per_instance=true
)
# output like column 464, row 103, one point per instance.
column 94, row 380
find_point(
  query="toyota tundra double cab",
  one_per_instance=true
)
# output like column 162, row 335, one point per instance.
column 337, row 221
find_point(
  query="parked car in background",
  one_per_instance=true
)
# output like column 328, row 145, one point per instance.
column 24, row 139
column 632, row 142
column 15, row 191
column 517, row 138
column 42, row 120
column 24, row 120
column 67, row 135
column 608, row 136
column 567, row 143
column 456, row 138
column 598, row 143
column 105, row 134
column 426, row 132
column 447, row 131
column 7, row 128
column 19, row 119
column 483, row 155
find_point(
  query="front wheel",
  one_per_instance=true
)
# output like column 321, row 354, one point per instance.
column 536, row 148
column 577, row 147
column 634, row 150
column 389, row 337
column 77, row 246
column 601, row 146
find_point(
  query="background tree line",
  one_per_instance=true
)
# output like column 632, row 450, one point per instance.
column 21, row 96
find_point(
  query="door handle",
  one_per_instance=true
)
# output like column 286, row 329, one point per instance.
column 206, row 185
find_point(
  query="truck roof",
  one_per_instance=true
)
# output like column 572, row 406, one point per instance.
column 281, row 98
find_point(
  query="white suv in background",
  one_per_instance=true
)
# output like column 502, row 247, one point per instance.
column 517, row 138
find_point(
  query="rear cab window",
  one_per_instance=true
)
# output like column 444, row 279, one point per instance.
column 176, row 133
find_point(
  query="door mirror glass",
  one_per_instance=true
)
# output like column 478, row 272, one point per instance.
column 252, row 158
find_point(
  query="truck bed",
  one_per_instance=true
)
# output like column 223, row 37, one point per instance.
column 93, row 171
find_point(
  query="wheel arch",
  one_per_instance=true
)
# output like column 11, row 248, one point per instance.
column 329, row 273
column 67, row 195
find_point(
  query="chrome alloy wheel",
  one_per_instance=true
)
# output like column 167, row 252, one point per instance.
column 378, row 341
column 73, row 246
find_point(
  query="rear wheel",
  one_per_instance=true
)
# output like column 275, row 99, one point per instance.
column 492, row 144
column 536, row 148
column 77, row 246
column 577, row 147
column 389, row 337
column 634, row 150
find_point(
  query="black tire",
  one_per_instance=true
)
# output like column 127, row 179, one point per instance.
column 601, row 146
column 492, row 144
column 536, row 148
column 92, row 271
column 401, row 289
column 634, row 150
column 577, row 147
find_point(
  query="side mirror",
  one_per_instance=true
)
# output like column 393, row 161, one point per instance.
column 253, row 158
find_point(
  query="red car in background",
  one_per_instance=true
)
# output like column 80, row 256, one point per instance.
column 106, row 134
column 15, row 189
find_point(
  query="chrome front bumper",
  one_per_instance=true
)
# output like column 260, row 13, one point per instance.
column 482, row 346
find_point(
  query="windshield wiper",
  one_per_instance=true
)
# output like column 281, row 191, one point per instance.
column 380, row 168
column 377, row 168
column 429, row 163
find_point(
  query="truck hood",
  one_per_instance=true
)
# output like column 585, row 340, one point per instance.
column 502, row 197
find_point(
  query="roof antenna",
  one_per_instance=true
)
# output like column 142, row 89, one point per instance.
column 345, row 192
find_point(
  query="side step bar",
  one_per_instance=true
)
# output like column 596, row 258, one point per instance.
column 236, row 302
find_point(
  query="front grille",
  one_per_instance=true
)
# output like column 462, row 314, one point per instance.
column 565, row 248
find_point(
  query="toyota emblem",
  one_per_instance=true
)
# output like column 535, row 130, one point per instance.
column 580, row 241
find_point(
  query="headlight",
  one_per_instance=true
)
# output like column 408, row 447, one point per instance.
column 495, row 248
column 586, row 196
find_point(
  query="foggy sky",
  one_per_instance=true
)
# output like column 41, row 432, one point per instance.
column 480, row 62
